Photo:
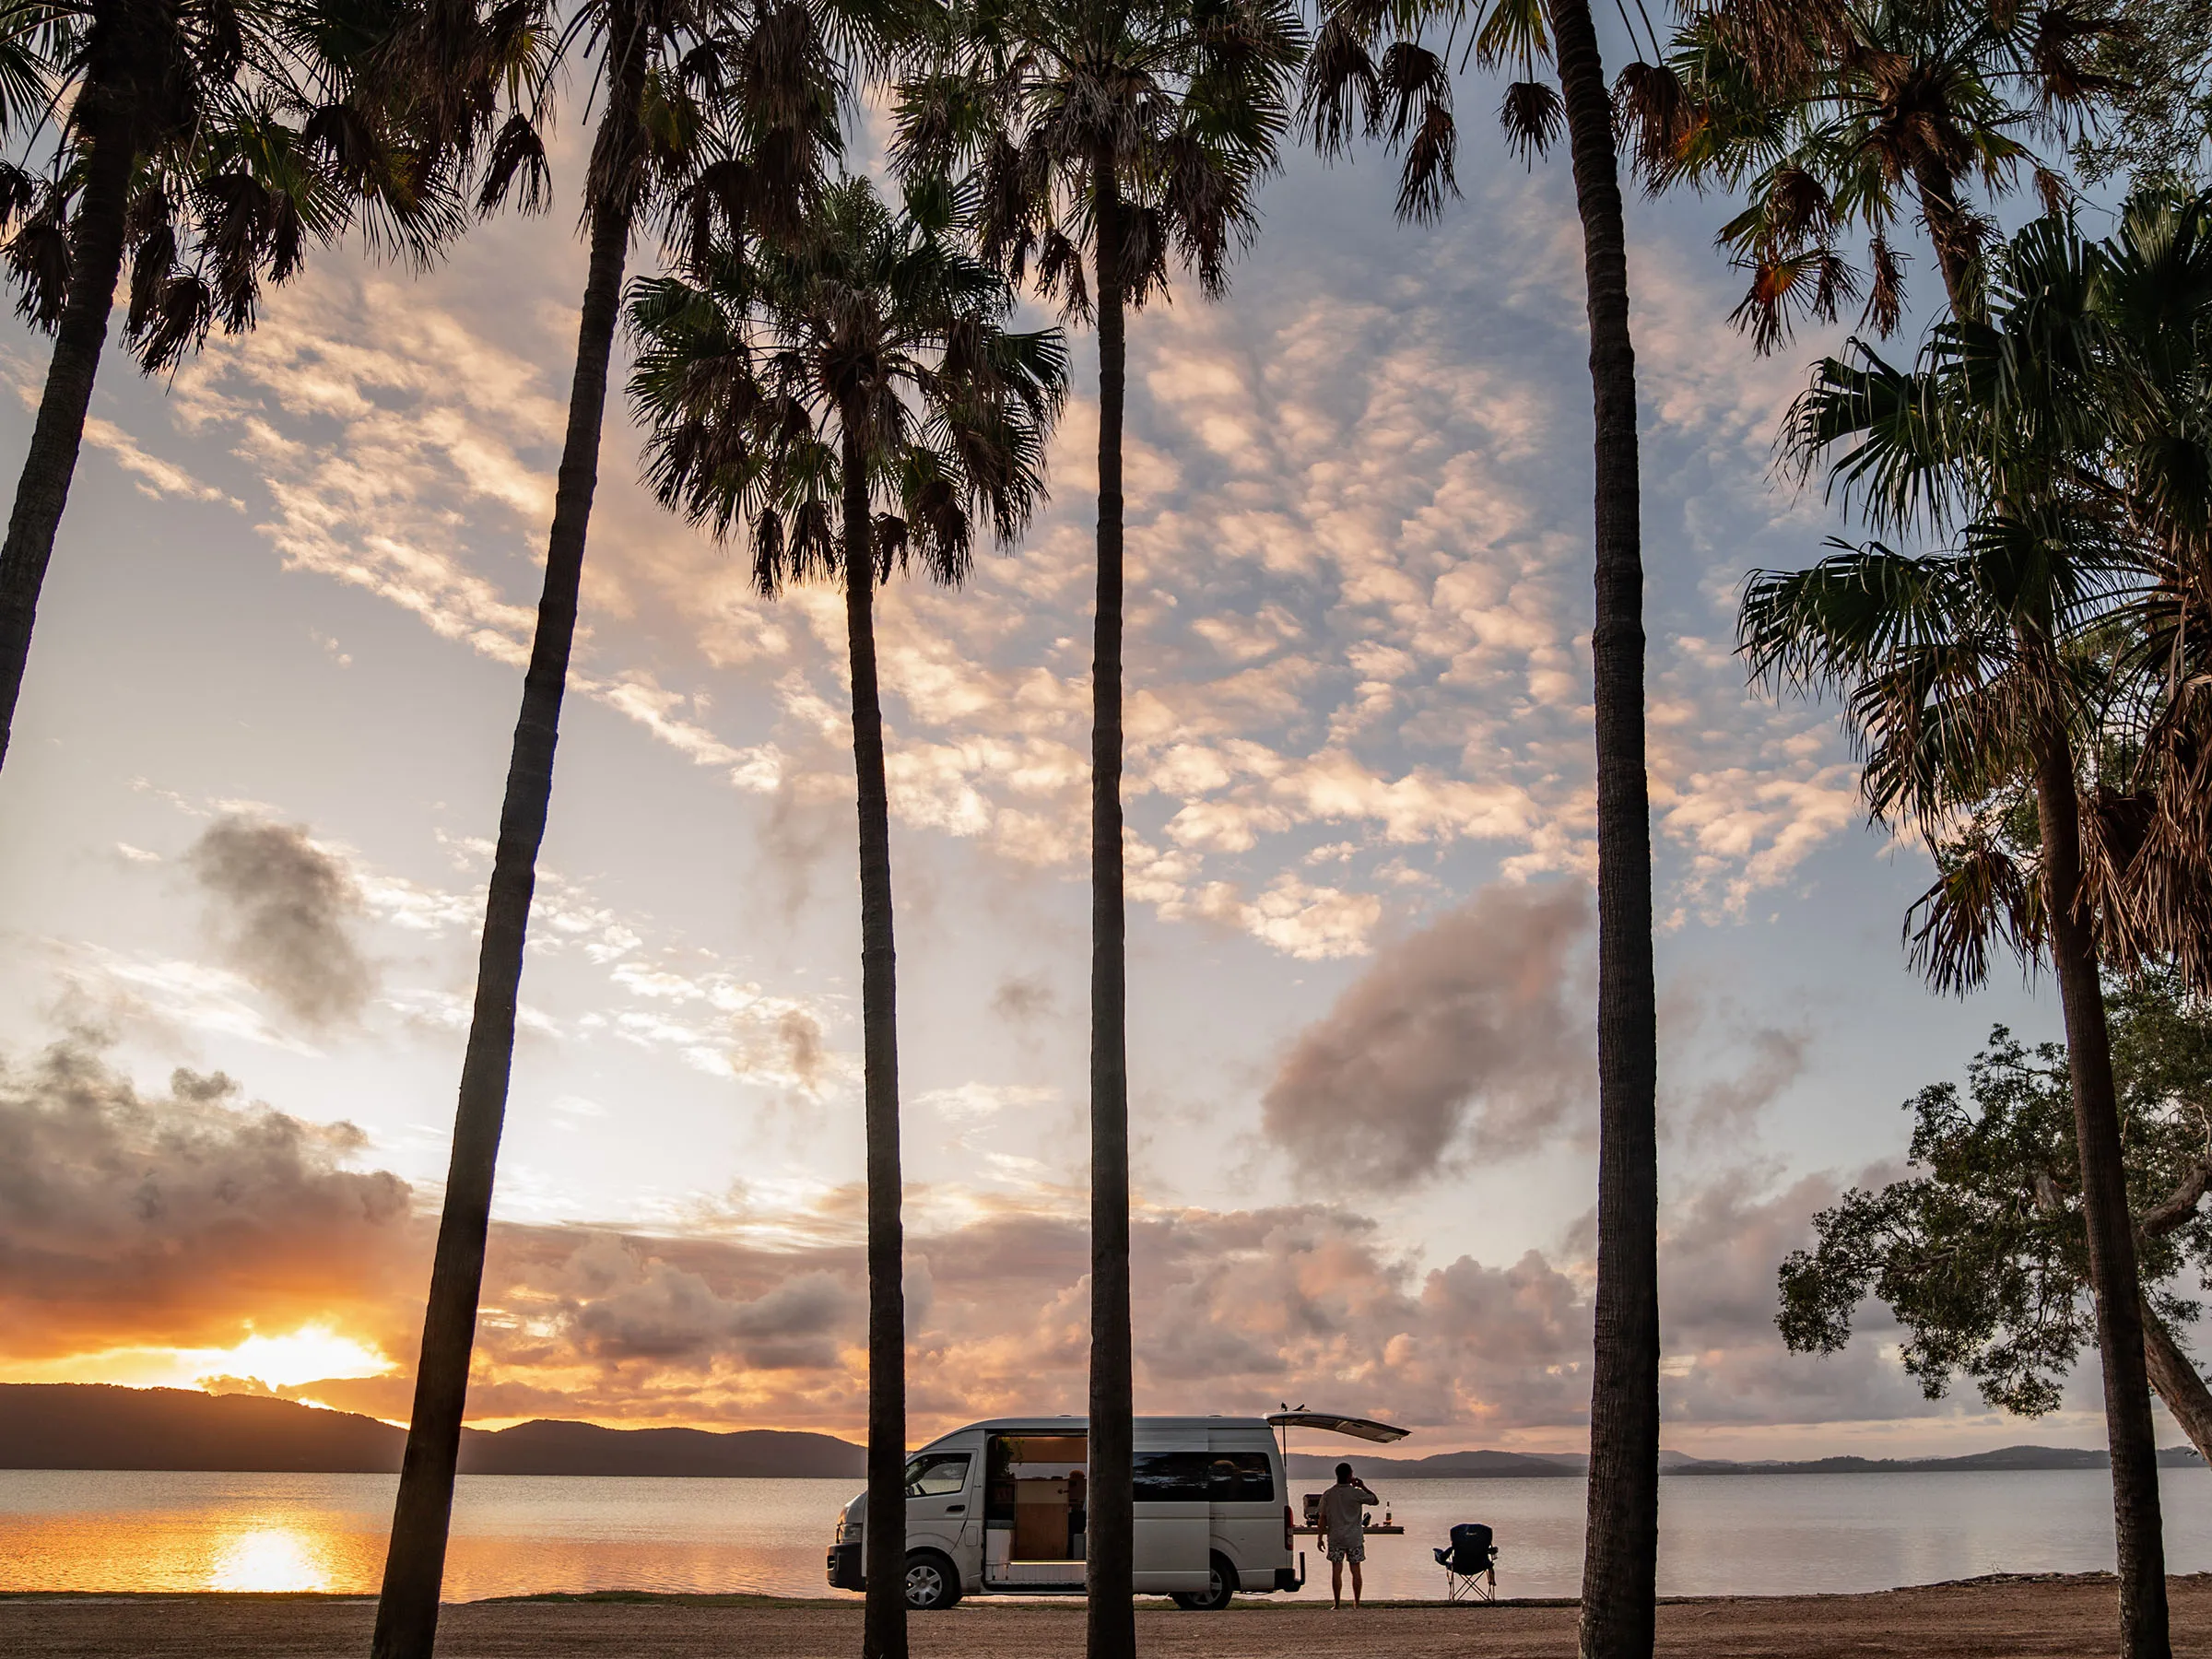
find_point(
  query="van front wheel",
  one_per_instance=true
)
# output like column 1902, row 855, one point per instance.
column 932, row 1585
column 1220, row 1584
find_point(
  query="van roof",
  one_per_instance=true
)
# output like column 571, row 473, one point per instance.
column 1075, row 1425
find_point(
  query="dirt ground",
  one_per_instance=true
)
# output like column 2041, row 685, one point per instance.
column 1984, row 1619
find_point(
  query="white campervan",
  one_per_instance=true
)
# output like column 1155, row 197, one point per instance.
column 999, row 1507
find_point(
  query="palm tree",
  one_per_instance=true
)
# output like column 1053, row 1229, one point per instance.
column 1402, row 93
column 206, row 142
column 1130, row 133
column 788, row 391
column 723, row 116
column 2000, row 677
column 1839, row 119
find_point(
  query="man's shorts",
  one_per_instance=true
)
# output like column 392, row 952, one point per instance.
column 1352, row 1547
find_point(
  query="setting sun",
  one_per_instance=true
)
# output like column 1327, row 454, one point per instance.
column 310, row 1354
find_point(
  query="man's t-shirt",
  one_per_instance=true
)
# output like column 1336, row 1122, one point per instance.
column 1340, row 1509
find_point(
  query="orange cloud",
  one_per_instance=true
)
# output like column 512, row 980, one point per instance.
column 193, row 1229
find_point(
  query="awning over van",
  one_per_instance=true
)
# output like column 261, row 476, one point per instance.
column 1365, row 1428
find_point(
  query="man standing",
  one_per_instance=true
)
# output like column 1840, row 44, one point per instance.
column 1343, row 1530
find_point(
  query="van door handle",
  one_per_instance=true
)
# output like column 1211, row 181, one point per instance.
column 956, row 1509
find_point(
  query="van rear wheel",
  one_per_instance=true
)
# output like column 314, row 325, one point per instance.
column 932, row 1585
column 1220, row 1585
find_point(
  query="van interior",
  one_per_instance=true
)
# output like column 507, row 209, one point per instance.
column 1034, row 1509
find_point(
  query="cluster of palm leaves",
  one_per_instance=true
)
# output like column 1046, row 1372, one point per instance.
column 2033, row 693
column 1838, row 119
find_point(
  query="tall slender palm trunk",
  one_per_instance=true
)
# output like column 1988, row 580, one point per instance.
column 2119, row 1296
column 1109, row 1547
column 883, row 1535
column 96, row 242
column 407, row 1613
column 1620, row 1558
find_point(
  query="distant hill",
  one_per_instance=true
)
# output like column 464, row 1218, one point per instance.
column 93, row 1426
column 1482, row 1465
column 1443, row 1465
column 2003, row 1458
column 551, row 1448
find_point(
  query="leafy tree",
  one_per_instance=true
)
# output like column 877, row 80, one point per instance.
column 2160, row 60
column 790, row 391
column 1842, row 120
column 1134, row 134
column 1995, row 670
column 206, row 143
column 722, row 117
column 1372, row 73
column 1984, row 1258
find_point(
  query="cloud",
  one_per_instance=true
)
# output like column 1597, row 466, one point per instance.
column 181, row 1216
column 1465, row 1034
column 189, row 1217
column 1357, row 597
column 1024, row 999
column 281, row 916
column 623, row 1305
column 156, row 476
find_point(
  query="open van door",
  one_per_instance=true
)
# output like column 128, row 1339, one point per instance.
column 1035, row 1512
column 1333, row 1422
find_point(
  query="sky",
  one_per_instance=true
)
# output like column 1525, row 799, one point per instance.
column 246, row 824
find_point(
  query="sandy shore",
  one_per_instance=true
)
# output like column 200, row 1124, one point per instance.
column 1984, row 1619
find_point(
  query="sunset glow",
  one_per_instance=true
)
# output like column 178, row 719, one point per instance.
column 314, row 1353
column 268, row 1559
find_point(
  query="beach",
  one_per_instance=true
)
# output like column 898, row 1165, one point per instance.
column 1987, row 1618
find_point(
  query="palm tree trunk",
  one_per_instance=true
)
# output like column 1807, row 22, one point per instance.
column 1109, row 1536
column 406, row 1614
column 2178, row 1383
column 883, row 1547
column 1620, row 1558
column 1946, row 222
column 2119, row 1328
column 96, row 242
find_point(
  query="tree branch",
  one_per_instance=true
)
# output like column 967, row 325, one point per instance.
column 2162, row 1219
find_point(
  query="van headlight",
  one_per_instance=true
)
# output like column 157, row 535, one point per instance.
column 848, row 1532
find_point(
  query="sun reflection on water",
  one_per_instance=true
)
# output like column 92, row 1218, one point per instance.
column 268, row 1558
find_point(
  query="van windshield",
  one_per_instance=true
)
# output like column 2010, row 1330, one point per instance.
column 937, row 1475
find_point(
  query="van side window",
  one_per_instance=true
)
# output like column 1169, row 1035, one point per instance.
column 937, row 1476
column 1203, row 1477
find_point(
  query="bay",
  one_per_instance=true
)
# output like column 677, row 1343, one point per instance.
column 522, row 1535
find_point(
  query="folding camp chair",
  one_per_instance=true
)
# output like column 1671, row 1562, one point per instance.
column 1470, row 1564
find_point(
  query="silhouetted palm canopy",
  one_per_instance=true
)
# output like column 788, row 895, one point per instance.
column 1841, row 119
column 1377, row 71
column 256, row 128
column 747, row 370
column 2060, row 448
column 204, row 144
column 1187, row 101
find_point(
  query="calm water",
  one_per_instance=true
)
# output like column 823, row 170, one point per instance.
column 514, row 1534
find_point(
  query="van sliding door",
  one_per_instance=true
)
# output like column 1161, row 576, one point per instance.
column 1035, row 1510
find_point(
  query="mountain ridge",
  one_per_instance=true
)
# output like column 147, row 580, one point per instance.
column 102, row 1426
column 1541, row 1465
